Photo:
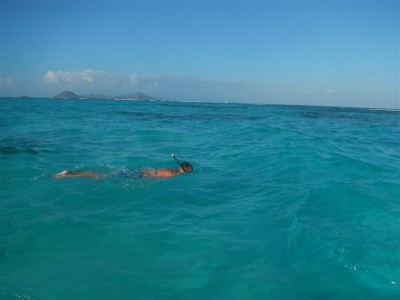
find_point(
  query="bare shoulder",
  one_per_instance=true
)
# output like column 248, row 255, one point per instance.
column 166, row 172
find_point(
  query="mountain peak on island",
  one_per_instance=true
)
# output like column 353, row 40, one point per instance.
column 67, row 95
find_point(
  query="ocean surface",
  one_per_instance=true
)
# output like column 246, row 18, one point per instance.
column 286, row 202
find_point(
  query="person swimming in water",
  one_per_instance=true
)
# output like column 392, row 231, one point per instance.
column 142, row 173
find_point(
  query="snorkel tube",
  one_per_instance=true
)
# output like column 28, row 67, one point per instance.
column 177, row 161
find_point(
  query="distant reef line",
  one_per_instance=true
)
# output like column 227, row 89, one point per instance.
column 133, row 96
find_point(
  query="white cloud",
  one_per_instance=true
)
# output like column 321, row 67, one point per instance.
column 50, row 77
column 154, row 85
column 175, row 86
column 89, row 77
column 134, row 78
column 289, row 84
column 329, row 91
column 86, row 77
column 6, row 82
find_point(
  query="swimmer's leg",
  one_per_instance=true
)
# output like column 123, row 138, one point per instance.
column 68, row 174
column 61, row 174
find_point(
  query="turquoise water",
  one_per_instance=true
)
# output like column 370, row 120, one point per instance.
column 286, row 202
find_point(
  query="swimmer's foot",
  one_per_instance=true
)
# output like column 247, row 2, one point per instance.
column 61, row 174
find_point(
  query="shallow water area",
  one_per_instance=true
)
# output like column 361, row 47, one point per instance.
column 286, row 202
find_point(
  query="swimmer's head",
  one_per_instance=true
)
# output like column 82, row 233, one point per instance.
column 185, row 167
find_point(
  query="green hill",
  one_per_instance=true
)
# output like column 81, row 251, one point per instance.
column 67, row 95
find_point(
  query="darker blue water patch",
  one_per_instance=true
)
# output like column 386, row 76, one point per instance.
column 6, row 150
column 10, row 146
column 390, row 117
column 202, row 105
column 190, row 117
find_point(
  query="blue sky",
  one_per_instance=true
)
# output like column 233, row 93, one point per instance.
column 343, row 53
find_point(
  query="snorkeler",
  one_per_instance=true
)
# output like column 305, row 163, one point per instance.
column 182, row 168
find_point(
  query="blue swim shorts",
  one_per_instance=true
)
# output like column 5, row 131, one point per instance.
column 130, row 174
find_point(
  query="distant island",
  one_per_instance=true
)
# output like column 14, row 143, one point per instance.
column 133, row 96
